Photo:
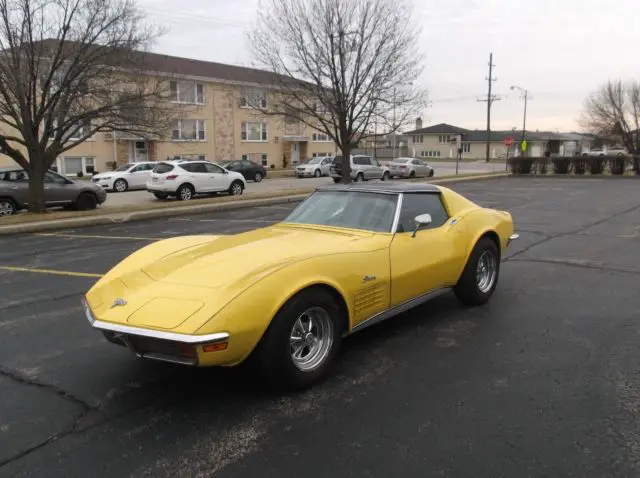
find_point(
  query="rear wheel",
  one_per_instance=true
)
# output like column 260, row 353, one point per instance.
column 185, row 192
column 86, row 202
column 236, row 188
column 317, row 173
column 302, row 340
column 386, row 176
column 359, row 177
column 120, row 185
column 431, row 173
column 7, row 207
column 257, row 177
column 480, row 276
column 412, row 174
column 161, row 195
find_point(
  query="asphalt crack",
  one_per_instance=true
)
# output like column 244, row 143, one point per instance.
column 581, row 265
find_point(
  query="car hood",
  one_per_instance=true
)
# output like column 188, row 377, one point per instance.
column 183, row 286
column 104, row 175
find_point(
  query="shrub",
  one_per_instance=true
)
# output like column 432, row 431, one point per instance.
column 597, row 164
column 618, row 165
column 561, row 165
column 523, row 165
column 79, row 174
column 543, row 165
column 636, row 165
column 579, row 165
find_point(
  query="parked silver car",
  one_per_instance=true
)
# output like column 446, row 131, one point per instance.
column 315, row 167
column 58, row 191
column 363, row 168
column 410, row 168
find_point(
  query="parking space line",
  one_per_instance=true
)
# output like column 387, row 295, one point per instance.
column 49, row 271
column 89, row 236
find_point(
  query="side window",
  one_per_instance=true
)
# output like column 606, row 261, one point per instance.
column 49, row 177
column 375, row 162
column 188, row 167
column 414, row 204
column 246, row 163
column 199, row 168
column 362, row 161
column 212, row 168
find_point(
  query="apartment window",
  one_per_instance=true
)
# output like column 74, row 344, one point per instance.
column 261, row 158
column 466, row 147
column 320, row 137
column 444, row 138
column 72, row 165
column 256, row 99
column 253, row 131
column 187, row 92
column 321, row 155
column 418, row 138
column 189, row 130
column 264, row 159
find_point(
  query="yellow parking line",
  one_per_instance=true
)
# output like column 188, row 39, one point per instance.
column 49, row 271
column 88, row 236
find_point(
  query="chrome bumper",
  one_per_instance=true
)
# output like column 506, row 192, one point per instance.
column 153, row 344
column 512, row 238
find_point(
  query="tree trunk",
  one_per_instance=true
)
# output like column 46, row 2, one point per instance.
column 36, row 187
column 346, row 162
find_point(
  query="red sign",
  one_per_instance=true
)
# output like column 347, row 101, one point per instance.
column 508, row 141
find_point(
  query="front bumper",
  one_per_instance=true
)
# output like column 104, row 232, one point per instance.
column 512, row 237
column 399, row 173
column 183, row 349
column 305, row 173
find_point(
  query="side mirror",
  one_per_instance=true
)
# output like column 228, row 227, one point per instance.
column 421, row 220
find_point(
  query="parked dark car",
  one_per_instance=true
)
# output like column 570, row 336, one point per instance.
column 250, row 170
column 59, row 191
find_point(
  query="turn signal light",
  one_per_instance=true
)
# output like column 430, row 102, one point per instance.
column 215, row 347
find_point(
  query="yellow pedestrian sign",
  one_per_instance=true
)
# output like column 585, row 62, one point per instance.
column 523, row 145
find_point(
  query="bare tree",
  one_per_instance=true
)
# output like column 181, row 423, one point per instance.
column 68, row 70
column 340, row 65
column 613, row 111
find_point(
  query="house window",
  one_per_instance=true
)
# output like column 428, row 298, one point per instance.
column 191, row 157
column 444, row 138
column 320, row 137
column 253, row 131
column 72, row 165
column 256, row 99
column 189, row 130
column 430, row 154
column 466, row 147
column 187, row 92
column 418, row 138
column 264, row 159
column 321, row 155
column 261, row 158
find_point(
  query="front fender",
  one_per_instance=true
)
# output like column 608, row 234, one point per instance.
column 479, row 222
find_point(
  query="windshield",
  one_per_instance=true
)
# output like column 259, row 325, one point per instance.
column 163, row 168
column 315, row 160
column 400, row 160
column 337, row 160
column 350, row 209
column 125, row 167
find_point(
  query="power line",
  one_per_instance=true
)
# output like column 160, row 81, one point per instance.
column 490, row 99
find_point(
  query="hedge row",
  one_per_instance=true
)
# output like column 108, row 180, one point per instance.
column 616, row 165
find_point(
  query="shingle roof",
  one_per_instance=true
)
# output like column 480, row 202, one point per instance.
column 442, row 128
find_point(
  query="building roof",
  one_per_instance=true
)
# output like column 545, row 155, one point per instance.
column 173, row 65
column 384, row 187
column 442, row 128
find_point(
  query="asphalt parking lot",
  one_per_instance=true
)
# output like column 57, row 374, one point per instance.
column 541, row 382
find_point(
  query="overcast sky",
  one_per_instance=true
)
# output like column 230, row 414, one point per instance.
column 559, row 50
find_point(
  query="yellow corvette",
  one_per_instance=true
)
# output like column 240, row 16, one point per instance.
column 285, row 295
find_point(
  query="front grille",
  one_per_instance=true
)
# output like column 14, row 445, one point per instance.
column 149, row 347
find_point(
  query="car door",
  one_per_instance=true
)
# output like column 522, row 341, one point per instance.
column 59, row 190
column 218, row 177
column 375, row 169
column 248, row 168
column 419, row 168
column 15, row 184
column 137, row 176
column 432, row 258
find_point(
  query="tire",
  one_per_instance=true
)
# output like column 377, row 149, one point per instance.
column 471, row 290
column 412, row 175
column 359, row 177
column 161, row 195
column 120, row 185
column 86, row 202
column 431, row 173
column 317, row 173
column 386, row 176
column 257, row 177
column 7, row 207
column 236, row 188
column 275, row 354
column 185, row 192
column 336, row 180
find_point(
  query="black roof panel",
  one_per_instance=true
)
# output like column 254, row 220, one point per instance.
column 385, row 187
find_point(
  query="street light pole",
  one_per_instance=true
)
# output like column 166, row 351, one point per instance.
column 393, row 126
column 525, row 93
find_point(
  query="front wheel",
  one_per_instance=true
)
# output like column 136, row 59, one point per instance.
column 302, row 341
column 257, row 177
column 480, row 276
column 86, row 202
column 317, row 173
column 120, row 186
column 236, row 188
column 7, row 207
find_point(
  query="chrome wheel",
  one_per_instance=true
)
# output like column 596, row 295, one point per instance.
column 120, row 186
column 6, row 207
column 236, row 189
column 311, row 339
column 186, row 194
column 486, row 271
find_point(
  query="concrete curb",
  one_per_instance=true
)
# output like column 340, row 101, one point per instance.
column 122, row 217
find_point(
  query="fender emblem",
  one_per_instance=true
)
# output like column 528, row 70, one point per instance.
column 368, row 278
column 119, row 303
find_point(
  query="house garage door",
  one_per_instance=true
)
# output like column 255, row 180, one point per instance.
column 536, row 151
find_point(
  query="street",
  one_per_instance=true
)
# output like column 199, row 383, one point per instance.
column 283, row 184
column 541, row 382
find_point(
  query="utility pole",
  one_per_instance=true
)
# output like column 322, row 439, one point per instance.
column 490, row 99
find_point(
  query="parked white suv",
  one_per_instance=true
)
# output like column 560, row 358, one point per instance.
column 129, row 176
column 186, row 179
column 363, row 168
